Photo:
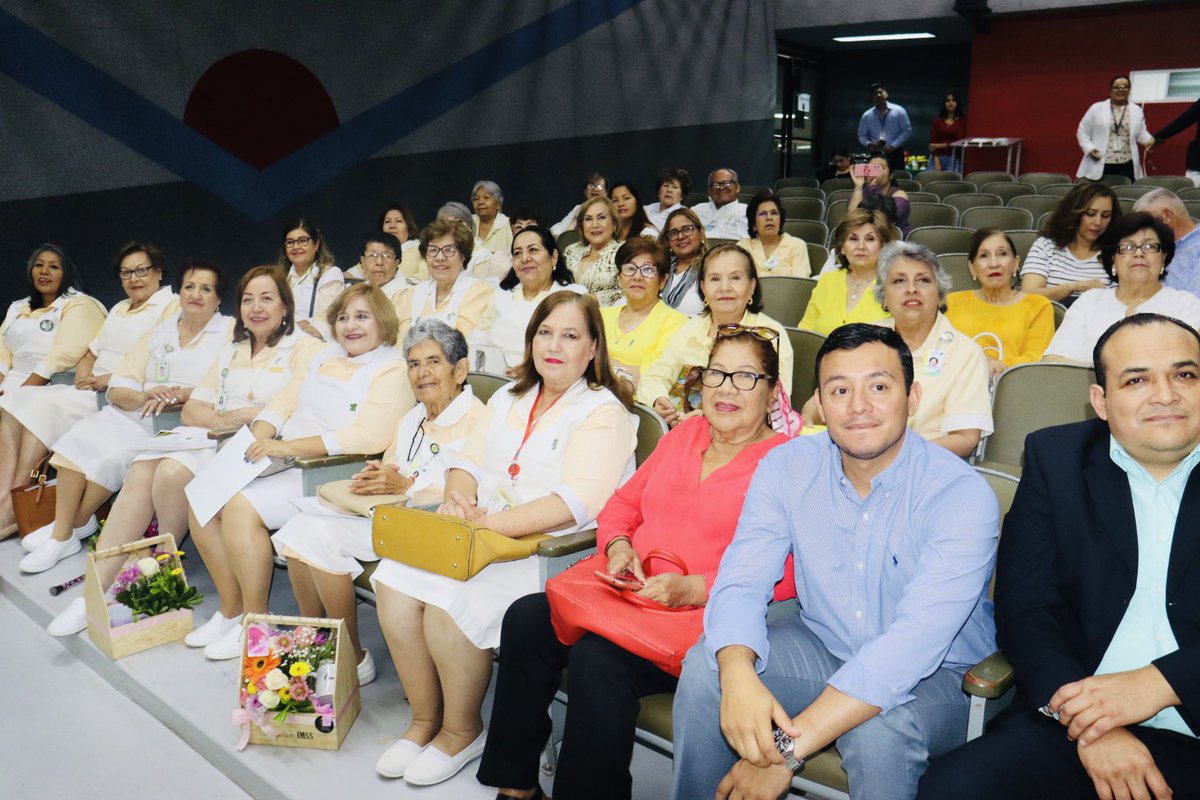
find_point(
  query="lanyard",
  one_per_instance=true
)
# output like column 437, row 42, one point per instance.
column 514, row 469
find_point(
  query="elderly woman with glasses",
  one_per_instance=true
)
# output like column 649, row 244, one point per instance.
column 381, row 263
column 683, row 233
column 450, row 294
column 728, row 286
column 685, row 498
column 951, row 371
column 1135, row 253
column 638, row 330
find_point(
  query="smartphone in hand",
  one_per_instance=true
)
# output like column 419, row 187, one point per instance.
column 867, row 170
column 625, row 580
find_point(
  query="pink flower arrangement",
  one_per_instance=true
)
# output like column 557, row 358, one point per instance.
column 279, row 672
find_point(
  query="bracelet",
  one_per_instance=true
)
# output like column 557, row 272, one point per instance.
column 616, row 539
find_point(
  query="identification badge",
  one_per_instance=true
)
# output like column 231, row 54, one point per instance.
column 772, row 262
column 935, row 362
column 222, row 399
column 47, row 325
column 162, row 371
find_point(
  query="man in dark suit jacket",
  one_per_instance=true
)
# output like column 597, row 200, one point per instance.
column 1098, row 592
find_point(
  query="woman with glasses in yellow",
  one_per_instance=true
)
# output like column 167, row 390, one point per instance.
column 728, row 287
column 684, row 234
column 450, row 294
column 638, row 330
column 314, row 280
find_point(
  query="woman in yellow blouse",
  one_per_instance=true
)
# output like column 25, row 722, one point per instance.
column 311, row 273
column 1012, row 327
column 44, row 333
column 728, row 283
column 349, row 401
column 450, row 294
column 847, row 294
column 491, row 225
column 774, row 252
column 639, row 330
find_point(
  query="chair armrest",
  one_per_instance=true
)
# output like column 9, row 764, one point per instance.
column 316, row 462
column 64, row 378
column 566, row 545
column 990, row 678
column 222, row 435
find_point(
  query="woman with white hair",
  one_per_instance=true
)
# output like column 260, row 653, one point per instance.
column 491, row 226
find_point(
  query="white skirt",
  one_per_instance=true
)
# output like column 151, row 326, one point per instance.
column 105, row 444
column 477, row 605
column 272, row 497
column 333, row 544
column 194, row 460
column 48, row 412
column 13, row 380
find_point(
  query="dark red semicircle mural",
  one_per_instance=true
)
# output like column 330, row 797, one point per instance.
column 260, row 105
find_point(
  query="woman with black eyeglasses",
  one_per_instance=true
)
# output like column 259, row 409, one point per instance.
column 728, row 287
column 314, row 280
column 325, row 553
column 685, row 499
column 638, row 330
column 683, row 233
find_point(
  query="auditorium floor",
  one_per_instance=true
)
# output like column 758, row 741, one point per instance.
column 157, row 723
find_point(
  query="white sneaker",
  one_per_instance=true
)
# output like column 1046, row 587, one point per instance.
column 216, row 627
column 396, row 758
column 227, row 647
column 433, row 766
column 366, row 670
column 48, row 555
column 72, row 619
column 42, row 535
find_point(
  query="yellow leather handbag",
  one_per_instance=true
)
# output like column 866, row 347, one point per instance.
column 442, row 544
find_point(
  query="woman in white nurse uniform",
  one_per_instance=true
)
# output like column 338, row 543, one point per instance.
column 311, row 273
column 44, row 333
column 350, row 400
column 450, row 295
column 93, row 457
column 554, row 447
column 324, row 553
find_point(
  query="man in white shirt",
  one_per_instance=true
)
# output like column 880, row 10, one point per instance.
column 1166, row 207
column 724, row 216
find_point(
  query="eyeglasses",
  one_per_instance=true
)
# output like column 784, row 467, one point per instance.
column 759, row 331
column 681, row 231
column 742, row 381
column 597, row 187
column 1129, row 248
column 141, row 272
column 385, row 257
column 645, row 270
column 720, row 184
column 449, row 251
column 302, row 241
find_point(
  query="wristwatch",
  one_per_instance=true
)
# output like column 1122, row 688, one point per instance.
column 787, row 748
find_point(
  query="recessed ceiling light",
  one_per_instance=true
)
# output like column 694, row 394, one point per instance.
column 884, row 37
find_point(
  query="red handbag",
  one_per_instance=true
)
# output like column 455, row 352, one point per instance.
column 581, row 603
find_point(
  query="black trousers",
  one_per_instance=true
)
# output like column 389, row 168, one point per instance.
column 605, row 683
column 1026, row 755
column 1125, row 169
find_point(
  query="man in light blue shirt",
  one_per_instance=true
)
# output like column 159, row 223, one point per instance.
column 1165, row 206
column 894, row 540
column 884, row 128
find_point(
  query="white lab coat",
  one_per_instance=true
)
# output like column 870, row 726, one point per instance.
column 1093, row 135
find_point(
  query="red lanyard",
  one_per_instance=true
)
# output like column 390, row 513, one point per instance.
column 514, row 469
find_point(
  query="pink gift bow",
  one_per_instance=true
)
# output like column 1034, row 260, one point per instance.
column 242, row 717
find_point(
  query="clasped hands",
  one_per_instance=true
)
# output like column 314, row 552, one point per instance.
column 669, row 588
column 158, row 398
column 378, row 478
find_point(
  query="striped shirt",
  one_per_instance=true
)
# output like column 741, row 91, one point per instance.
column 894, row 585
column 1058, row 266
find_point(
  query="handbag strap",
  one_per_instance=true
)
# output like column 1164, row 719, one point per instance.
column 645, row 602
column 664, row 555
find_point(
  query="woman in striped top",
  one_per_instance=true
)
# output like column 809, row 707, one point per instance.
column 1065, row 261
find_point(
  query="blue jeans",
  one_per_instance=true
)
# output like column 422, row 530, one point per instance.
column 883, row 758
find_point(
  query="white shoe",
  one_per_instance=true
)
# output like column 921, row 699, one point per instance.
column 42, row 535
column 433, row 766
column 48, row 555
column 227, row 647
column 396, row 758
column 72, row 619
column 366, row 671
column 216, row 627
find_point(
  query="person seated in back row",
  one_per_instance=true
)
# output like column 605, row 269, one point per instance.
column 893, row 540
column 1098, row 592
column 724, row 216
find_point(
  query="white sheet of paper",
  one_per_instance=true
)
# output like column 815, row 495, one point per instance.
column 314, row 505
column 181, row 438
column 223, row 477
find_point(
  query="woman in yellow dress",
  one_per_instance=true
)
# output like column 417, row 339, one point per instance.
column 1013, row 327
column 774, row 252
column 847, row 294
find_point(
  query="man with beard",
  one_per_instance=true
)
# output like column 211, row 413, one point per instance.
column 894, row 540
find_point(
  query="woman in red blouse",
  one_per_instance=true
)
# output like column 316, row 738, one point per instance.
column 949, row 126
column 685, row 498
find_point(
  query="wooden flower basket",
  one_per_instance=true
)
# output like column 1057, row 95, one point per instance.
column 137, row 636
column 311, row 730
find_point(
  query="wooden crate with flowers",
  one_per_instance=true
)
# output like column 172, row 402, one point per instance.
column 299, row 687
column 148, row 604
